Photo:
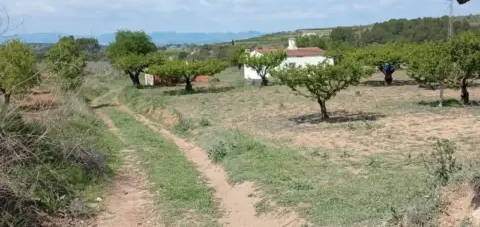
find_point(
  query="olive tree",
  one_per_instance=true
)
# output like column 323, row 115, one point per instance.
column 465, row 54
column 17, row 69
column 188, row 70
column 263, row 63
column 431, row 64
column 132, row 52
column 323, row 81
column 68, row 62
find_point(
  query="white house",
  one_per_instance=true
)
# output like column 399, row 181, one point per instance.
column 295, row 56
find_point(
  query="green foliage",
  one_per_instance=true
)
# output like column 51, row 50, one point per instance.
column 188, row 70
column 90, row 47
column 465, row 53
column 311, row 41
column 129, row 42
column 443, row 163
column 235, row 56
column 430, row 63
column 416, row 30
column 17, row 67
column 133, row 52
column 264, row 63
column 68, row 62
column 322, row 81
column 47, row 166
column 344, row 35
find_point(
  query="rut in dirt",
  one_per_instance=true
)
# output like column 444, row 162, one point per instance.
column 238, row 201
column 128, row 202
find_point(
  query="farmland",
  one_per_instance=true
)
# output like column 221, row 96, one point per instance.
column 354, row 169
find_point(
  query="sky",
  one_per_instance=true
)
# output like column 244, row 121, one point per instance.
column 94, row 17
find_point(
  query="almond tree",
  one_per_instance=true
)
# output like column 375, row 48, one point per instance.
column 132, row 52
column 323, row 81
column 68, row 62
column 188, row 70
column 264, row 63
column 17, row 69
column 465, row 53
column 431, row 64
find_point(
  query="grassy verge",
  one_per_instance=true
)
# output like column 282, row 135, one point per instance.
column 331, row 188
column 183, row 196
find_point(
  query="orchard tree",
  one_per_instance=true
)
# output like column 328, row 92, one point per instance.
column 68, row 62
column 465, row 53
column 188, row 70
column 431, row 64
column 322, row 81
column 17, row 69
column 264, row 63
column 386, row 58
column 132, row 52
column 235, row 56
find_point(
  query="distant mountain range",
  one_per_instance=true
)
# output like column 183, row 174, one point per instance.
column 159, row 38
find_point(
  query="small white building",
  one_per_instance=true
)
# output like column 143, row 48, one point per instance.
column 295, row 56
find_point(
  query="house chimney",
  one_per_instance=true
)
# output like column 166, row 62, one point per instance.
column 292, row 45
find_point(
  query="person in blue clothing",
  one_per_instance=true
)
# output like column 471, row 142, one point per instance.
column 388, row 69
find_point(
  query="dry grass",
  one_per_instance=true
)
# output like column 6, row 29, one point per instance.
column 373, row 145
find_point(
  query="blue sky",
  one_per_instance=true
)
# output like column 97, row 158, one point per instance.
column 92, row 17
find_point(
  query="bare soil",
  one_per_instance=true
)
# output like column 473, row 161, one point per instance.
column 238, row 201
column 128, row 202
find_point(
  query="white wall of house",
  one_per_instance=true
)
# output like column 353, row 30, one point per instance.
column 251, row 74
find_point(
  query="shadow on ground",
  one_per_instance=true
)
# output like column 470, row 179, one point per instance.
column 337, row 117
column 448, row 103
column 381, row 83
column 103, row 106
column 204, row 90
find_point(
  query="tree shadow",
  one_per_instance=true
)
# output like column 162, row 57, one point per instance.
column 336, row 117
column 448, row 103
column 201, row 90
column 103, row 106
column 381, row 83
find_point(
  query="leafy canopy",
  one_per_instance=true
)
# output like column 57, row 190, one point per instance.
column 68, row 62
column 430, row 63
column 186, row 69
column 322, row 81
column 262, row 63
column 130, row 43
column 17, row 67
column 465, row 52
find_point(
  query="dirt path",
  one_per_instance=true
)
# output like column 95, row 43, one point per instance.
column 128, row 202
column 238, row 201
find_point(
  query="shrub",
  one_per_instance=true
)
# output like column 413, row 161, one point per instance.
column 443, row 163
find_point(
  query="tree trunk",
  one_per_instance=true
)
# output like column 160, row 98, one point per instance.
column 188, row 86
column 6, row 97
column 135, row 77
column 264, row 81
column 465, row 95
column 442, row 89
column 323, row 108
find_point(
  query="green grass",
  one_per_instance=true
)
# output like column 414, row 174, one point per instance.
column 181, row 193
column 330, row 190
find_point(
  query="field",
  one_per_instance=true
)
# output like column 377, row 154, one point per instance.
column 364, row 167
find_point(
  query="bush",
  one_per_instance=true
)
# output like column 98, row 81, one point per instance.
column 443, row 163
column 45, row 167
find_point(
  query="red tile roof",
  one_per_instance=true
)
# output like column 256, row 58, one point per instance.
column 299, row 52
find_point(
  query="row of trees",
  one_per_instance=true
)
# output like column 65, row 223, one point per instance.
column 134, row 53
column 19, row 72
column 439, row 64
